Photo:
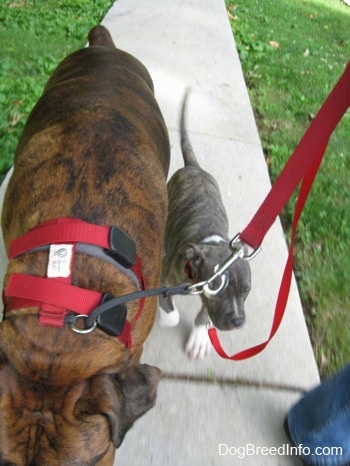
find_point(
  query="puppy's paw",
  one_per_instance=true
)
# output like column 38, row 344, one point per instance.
column 168, row 319
column 199, row 344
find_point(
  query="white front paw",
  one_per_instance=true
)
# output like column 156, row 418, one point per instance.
column 199, row 344
column 170, row 319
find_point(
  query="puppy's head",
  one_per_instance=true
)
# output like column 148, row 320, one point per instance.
column 45, row 422
column 226, row 310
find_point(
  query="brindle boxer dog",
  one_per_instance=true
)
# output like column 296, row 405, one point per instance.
column 196, row 240
column 95, row 148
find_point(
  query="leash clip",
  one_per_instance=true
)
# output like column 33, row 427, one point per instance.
column 220, row 270
column 206, row 286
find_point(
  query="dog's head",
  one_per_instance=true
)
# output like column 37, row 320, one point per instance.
column 81, row 423
column 226, row 310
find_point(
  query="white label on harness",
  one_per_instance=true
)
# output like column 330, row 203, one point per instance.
column 60, row 259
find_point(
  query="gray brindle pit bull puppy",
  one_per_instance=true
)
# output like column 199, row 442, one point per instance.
column 196, row 240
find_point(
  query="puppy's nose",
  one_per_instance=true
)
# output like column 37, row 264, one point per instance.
column 238, row 321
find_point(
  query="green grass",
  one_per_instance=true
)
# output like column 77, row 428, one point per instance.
column 35, row 36
column 292, row 53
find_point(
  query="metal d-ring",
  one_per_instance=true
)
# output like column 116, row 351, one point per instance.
column 83, row 331
column 220, row 270
column 248, row 257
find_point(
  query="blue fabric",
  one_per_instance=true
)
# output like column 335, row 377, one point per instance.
column 320, row 422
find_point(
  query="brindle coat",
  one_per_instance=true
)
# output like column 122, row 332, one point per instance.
column 196, row 218
column 95, row 147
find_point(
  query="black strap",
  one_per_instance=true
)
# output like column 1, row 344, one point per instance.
column 114, row 302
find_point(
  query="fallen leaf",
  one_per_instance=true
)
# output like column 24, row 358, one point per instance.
column 274, row 44
column 15, row 119
column 231, row 16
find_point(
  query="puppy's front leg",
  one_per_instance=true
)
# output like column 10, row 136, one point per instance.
column 199, row 345
column 168, row 313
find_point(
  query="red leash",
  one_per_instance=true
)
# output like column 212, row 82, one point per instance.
column 301, row 167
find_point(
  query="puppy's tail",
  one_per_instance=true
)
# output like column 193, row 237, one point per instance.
column 99, row 35
column 187, row 151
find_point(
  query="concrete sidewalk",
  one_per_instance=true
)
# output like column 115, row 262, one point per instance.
column 211, row 402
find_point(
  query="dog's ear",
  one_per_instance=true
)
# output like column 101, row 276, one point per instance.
column 192, row 253
column 134, row 394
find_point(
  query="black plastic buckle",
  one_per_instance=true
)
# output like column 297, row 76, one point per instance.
column 113, row 320
column 122, row 247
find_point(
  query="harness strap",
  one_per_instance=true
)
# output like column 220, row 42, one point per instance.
column 44, row 290
column 29, row 291
column 74, row 230
column 302, row 166
column 68, row 230
column 55, row 294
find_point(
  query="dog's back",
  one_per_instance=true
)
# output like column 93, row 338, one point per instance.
column 94, row 119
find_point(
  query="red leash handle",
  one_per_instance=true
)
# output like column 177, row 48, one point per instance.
column 301, row 167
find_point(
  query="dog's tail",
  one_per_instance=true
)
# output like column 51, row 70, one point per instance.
column 186, row 147
column 99, row 35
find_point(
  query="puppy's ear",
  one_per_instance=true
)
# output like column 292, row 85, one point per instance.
column 192, row 253
column 137, row 389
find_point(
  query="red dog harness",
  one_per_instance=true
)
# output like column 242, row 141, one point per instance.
column 55, row 295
